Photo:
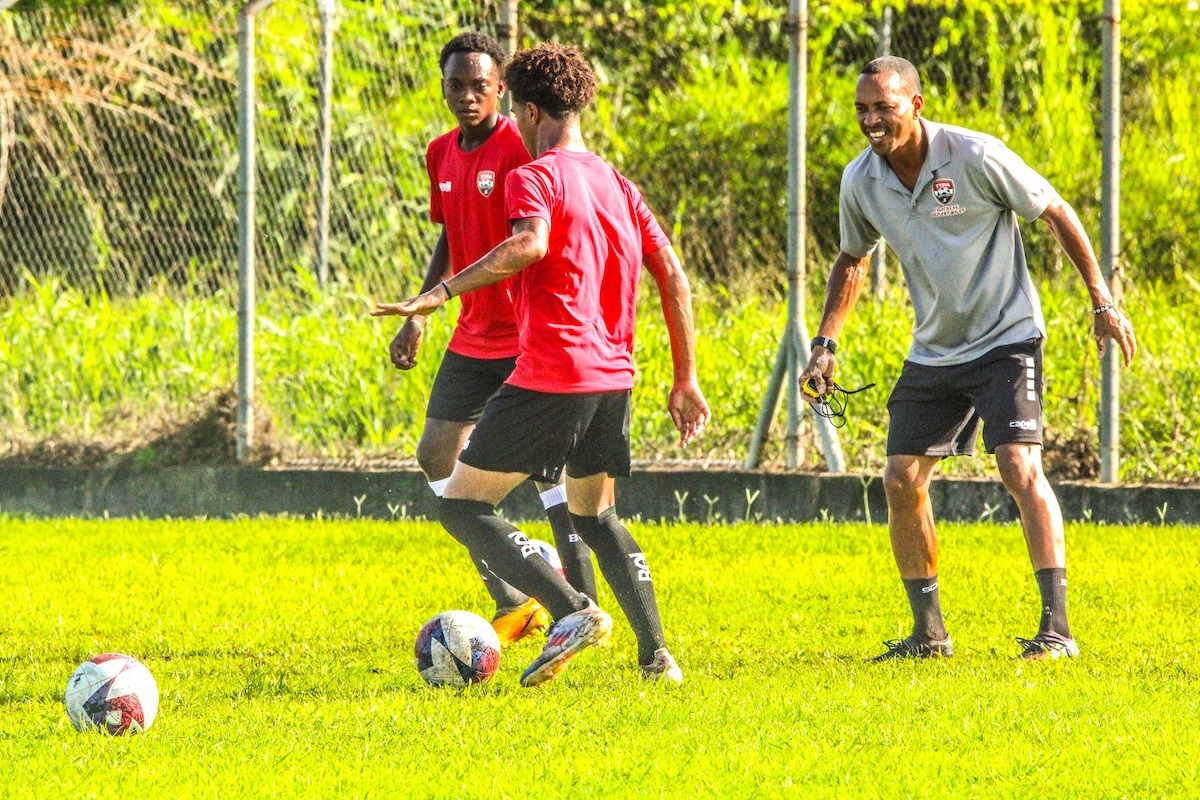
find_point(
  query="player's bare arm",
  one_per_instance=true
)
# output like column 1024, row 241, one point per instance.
column 407, row 341
column 845, row 285
column 529, row 242
column 1108, row 322
column 689, row 410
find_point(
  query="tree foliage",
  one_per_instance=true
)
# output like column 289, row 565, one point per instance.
column 693, row 107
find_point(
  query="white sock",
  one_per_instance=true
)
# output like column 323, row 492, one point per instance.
column 439, row 486
column 554, row 496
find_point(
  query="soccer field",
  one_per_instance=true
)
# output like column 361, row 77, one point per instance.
column 283, row 653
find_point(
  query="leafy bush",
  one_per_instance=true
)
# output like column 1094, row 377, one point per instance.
column 114, row 373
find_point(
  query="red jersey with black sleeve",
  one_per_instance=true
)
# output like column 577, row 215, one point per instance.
column 576, row 305
column 466, row 194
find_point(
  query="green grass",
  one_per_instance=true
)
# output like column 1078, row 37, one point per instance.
column 113, row 368
column 282, row 651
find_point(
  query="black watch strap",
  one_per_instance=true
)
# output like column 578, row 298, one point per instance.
column 824, row 341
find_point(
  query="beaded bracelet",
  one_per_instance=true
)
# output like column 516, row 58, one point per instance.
column 1106, row 307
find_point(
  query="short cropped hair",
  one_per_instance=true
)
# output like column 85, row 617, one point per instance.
column 554, row 77
column 473, row 42
column 910, row 81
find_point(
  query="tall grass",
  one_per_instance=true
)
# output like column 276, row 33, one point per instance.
column 93, row 368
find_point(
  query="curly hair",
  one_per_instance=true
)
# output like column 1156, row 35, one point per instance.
column 910, row 80
column 554, row 77
column 473, row 42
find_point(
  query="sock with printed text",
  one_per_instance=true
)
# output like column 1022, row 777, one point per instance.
column 576, row 557
column 926, row 608
column 505, row 596
column 503, row 552
column 1052, row 583
column 624, row 567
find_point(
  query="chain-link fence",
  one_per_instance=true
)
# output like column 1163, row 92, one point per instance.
column 118, row 141
column 118, row 147
column 119, row 153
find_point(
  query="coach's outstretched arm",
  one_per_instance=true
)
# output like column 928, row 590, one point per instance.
column 528, row 243
column 1108, row 321
column 689, row 410
column 845, row 285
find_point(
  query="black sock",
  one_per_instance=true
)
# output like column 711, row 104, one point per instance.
column 505, row 596
column 1052, row 583
column 926, row 608
column 500, row 549
column 624, row 567
column 575, row 555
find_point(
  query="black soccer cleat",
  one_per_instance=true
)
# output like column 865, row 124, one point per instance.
column 1047, row 645
column 914, row 647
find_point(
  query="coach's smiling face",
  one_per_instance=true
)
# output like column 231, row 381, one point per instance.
column 887, row 114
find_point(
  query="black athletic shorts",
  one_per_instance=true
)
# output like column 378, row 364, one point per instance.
column 936, row 411
column 538, row 433
column 463, row 385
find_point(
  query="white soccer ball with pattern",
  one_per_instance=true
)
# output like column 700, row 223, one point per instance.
column 457, row 648
column 113, row 693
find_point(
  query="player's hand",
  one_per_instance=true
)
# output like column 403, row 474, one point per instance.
column 1112, row 324
column 404, row 347
column 817, row 376
column 689, row 411
column 423, row 305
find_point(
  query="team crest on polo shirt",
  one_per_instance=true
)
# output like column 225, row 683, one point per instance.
column 486, row 181
column 943, row 191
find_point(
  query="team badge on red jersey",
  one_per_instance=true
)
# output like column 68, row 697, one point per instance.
column 486, row 181
column 943, row 190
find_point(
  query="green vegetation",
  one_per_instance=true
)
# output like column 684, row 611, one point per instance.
column 93, row 369
column 123, row 154
column 282, row 650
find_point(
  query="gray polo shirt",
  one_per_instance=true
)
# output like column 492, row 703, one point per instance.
column 957, row 239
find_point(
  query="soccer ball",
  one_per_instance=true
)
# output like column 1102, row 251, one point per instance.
column 112, row 692
column 457, row 648
column 547, row 551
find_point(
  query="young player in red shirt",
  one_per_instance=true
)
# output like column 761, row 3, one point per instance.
column 467, row 169
column 581, row 234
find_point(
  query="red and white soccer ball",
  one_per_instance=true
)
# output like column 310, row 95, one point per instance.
column 548, row 552
column 114, row 693
column 457, row 648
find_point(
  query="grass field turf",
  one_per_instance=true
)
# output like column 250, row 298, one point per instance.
column 282, row 649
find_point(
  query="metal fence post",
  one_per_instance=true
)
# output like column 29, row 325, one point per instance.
column 327, row 11
column 506, row 31
column 794, row 347
column 246, row 227
column 1110, row 232
column 879, row 282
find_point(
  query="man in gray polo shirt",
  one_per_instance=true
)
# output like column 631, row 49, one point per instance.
column 947, row 201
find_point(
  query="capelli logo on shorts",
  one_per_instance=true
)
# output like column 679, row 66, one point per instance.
column 1024, row 424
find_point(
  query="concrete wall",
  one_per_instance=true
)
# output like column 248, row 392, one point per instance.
column 703, row 495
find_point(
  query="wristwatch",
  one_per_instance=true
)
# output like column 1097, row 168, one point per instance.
column 823, row 341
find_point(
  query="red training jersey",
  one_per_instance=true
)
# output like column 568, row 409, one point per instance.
column 466, row 195
column 575, row 306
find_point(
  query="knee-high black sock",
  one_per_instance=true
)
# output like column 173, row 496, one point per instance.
column 926, row 608
column 503, row 595
column 575, row 555
column 624, row 567
column 500, row 549
column 1052, row 583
